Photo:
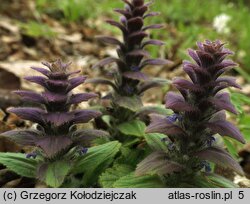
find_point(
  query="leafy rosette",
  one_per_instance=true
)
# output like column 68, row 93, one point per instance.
column 129, row 80
column 56, row 132
column 199, row 115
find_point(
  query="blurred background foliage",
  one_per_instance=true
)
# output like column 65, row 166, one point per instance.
column 186, row 21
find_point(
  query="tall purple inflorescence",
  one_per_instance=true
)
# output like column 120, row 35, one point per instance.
column 131, row 53
column 199, row 112
column 129, row 82
column 55, row 134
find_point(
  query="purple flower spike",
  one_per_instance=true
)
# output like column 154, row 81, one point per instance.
column 131, row 51
column 200, row 109
column 55, row 136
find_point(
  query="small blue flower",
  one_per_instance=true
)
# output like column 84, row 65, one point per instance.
column 31, row 155
column 128, row 89
column 210, row 141
column 171, row 146
column 83, row 150
column 123, row 20
column 208, row 168
column 173, row 118
column 164, row 139
column 206, row 165
column 135, row 68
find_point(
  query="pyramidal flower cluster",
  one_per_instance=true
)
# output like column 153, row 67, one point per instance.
column 199, row 114
column 55, row 133
column 132, row 56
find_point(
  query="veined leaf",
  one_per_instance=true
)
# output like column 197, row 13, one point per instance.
column 132, row 181
column 221, row 182
column 53, row 174
column 210, row 181
column 132, row 103
column 96, row 161
column 159, row 109
column 154, row 140
column 111, row 175
column 205, row 180
column 19, row 164
column 131, row 156
column 134, row 128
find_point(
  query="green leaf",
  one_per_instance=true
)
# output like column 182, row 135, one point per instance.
column 239, row 100
column 231, row 147
column 221, row 182
column 132, row 181
column 131, row 142
column 132, row 103
column 130, row 156
column 154, row 141
column 96, row 161
column 106, row 119
column 111, row 175
column 246, row 133
column 210, row 181
column 159, row 109
column 199, row 181
column 133, row 128
column 244, row 122
column 53, row 174
column 19, row 164
column 100, row 141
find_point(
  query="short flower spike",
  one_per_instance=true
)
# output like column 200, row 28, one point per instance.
column 54, row 135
